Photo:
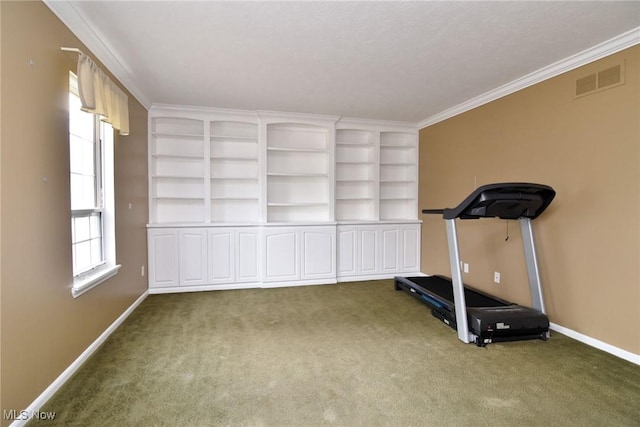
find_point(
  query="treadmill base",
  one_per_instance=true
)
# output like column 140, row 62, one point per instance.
column 490, row 320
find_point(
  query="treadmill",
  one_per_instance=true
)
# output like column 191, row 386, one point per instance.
column 478, row 316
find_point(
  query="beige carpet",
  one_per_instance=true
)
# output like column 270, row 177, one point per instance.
column 352, row 354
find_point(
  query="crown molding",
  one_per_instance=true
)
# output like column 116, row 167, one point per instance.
column 609, row 47
column 98, row 46
column 381, row 125
column 177, row 108
column 280, row 116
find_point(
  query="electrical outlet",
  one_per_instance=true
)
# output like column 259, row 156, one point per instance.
column 142, row 271
column 496, row 277
column 466, row 268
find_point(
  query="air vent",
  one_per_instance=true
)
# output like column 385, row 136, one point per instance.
column 609, row 77
column 605, row 79
column 586, row 84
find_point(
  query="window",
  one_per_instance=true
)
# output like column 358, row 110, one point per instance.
column 92, row 206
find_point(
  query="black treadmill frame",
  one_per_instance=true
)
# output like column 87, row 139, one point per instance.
column 522, row 201
column 484, row 313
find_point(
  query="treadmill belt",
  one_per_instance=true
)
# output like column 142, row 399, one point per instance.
column 489, row 319
column 442, row 287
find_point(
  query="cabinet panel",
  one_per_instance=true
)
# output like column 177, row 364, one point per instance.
column 378, row 250
column 221, row 256
column 193, row 257
column 368, row 251
column 247, row 257
column 347, row 252
column 163, row 258
column 318, row 253
column 281, row 255
column 411, row 248
column 390, row 250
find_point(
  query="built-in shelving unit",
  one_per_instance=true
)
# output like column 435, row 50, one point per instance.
column 176, row 170
column 298, row 173
column 235, row 172
column 398, row 175
column 356, row 175
column 256, row 198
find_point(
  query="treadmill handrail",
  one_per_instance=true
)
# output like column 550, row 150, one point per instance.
column 511, row 200
column 433, row 211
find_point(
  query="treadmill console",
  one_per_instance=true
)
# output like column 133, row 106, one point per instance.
column 504, row 200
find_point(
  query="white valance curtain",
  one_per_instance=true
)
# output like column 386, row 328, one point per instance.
column 100, row 95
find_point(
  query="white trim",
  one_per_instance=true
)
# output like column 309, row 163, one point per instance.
column 248, row 285
column 177, row 108
column 202, row 224
column 265, row 285
column 99, row 46
column 201, row 288
column 600, row 345
column 86, row 282
column 361, row 278
column 296, row 283
column 378, row 125
column 379, row 222
column 73, row 368
column 274, row 117
column 609, row 47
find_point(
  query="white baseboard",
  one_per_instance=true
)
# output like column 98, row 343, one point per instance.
column 34, row 408
column 623, row 354
column 378, row 276
column 232, row 286
column 203, row 288
column 261, row 285
column 288, row 284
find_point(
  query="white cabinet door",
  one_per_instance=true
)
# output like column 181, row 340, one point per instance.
column 318, row 252
column 390, row 244
column 247, row 259
column 378, row 250
column 347, row 251
column 281, row 254
column 410, row 239
column 221, row 255
column 300, row 253
column 368, row 249
column 163, row 257
column 193, row 257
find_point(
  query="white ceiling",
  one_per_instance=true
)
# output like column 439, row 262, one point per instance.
column 406, row 61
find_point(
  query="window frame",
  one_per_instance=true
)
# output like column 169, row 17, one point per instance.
column 104, row 181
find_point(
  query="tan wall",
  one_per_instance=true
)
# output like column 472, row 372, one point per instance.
column 44, row 329
column 0, row 214
column 588, row 150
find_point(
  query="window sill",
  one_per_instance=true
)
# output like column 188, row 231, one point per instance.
column 90, row 281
